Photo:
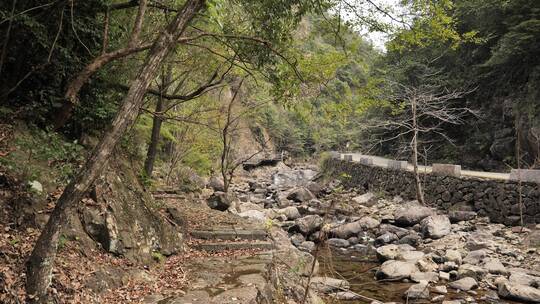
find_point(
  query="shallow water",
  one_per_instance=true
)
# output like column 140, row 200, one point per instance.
column 359, row 268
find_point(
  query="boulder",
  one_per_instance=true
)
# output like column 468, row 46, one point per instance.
column 411, row 213
column 479, row 240
column 397, row 231
column 328, row 285
column 395, row 270
column 216, row 183
column 245, row 206
column 426, row 264
column 513, row 291
column 345, row 231
column 473, row 271
column 431, row 276
column 314, row 188
column 385, row 238
column 346, row 296
column 309, row 223
column 307, row 246
column 368, row 222
column 219, row 201
column 440, row 289
column 458, row 216
column 475, row 257
column 410, row 256
column 494, row 266
column 297, row 239
column 300, row 195
column 412, row 239
column 417, row 291
column 436, row 226
column 522, row 278
column 464, row 284
column 340, row 243
column 128, row 225
column 392, row 251
column 254, row 215
column 366, row 199
column 453, row 256
column 291, row 213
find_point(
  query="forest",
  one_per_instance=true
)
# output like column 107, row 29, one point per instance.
column 107, row 101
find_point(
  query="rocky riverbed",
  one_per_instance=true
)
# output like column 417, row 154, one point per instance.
column 412, row 252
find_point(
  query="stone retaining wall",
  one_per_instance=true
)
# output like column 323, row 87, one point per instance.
column 493, row 198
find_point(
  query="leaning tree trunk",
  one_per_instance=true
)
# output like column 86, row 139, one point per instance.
column 41, row 261
column 414, row 147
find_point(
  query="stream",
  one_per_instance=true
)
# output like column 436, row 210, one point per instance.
column 393, row 250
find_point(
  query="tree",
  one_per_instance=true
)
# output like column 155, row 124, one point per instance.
column 41, row 261
column 421, row 110
column 229, row 128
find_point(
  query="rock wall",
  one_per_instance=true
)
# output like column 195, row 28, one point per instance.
column 493, row 198
column 125, row 220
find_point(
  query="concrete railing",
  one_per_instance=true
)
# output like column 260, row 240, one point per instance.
column 495, row 195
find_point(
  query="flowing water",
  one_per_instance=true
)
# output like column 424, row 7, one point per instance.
column 358, row 268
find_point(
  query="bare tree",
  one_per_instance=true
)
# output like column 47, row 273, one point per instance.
column 41, row 261
column 229, row 127
column 424, row 110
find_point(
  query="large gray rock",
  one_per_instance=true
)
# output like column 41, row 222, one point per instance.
column 366, row 199
column 339, row 243
column 417, row 291
column 522, row 278
column 368, row 222
column 291, row 212
column 219, row 200
column 453, row 256
column 345, row 231
column 436, row 226
column 300, row 195
column 458, row 216
column 425, row 276
column 307, row 246
column 479, row 240
column 216, row 183
column 395, row 270
column 464, row 284
column 245, row 206
column 346, row 295
column 411, row 213
column 254, row 215
column 473, row 271
column 392, row 251
column 494, row 266
column 475, row 257
column 128, row 225
column 513, row 291
column 410, row 256
column 309, row 223
column 328, row 285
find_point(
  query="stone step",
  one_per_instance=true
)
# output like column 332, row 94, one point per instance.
column 221, row 246
column 230, row 234
column 168, row 195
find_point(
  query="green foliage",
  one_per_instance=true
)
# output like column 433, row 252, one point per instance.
column 38, row 152
column 158, row 257
column 47, row 46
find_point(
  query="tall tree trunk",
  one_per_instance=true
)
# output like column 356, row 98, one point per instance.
column 41, row 261
column 166, row 77
column 154, row 139
column 414, row 147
